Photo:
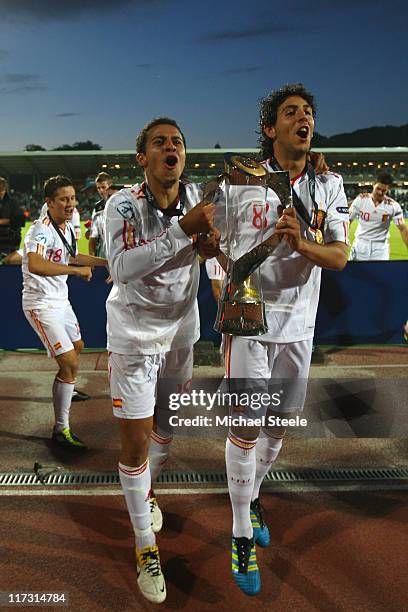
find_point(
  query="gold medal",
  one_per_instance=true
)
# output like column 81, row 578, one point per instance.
column 319, row 237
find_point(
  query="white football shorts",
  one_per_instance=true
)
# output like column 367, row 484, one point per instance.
column 57, row 328
column 139, row 382
column 369, row 250
column 268, row 367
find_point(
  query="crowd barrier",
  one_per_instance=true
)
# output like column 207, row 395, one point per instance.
column 367, row 303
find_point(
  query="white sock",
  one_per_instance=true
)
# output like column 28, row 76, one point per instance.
column 158, row 453
column 135, row 483
column 61, row 398
column 266, row 450
column 240, row 461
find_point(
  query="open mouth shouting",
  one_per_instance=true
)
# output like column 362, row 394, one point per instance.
column 171, row 162
column 303, row 132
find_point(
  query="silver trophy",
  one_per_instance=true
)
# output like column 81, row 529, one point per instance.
column 245, row 183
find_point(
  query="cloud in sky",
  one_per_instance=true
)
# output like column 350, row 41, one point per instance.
column 20, row 82
column 256, row 31
column 63, row 115
column 3, row 54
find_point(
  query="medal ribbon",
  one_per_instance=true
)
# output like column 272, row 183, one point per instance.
column 71, row 248
column 298, row 204
column 174, row 211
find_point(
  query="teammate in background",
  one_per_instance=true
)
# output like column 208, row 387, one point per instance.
column 375, row 212
column 152, row 320
column 290, row 283
column 77, row 395
column 97, row 236
column 49, row 250
column 16, row 257
column 102, row 183
column 75, row 221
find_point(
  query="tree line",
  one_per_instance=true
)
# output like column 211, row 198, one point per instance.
column 377, row 136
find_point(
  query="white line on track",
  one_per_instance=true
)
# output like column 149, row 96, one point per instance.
column 97, row 492
column 281, row 488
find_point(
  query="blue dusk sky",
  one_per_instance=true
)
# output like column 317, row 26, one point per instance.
column 75, row 70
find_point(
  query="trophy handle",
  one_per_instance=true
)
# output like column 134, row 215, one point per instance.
column 243, row 267
column 210, row 189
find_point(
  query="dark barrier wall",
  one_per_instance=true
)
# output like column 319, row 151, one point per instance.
column 367, row 303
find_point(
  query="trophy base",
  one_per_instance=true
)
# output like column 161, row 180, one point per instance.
column 241, row 319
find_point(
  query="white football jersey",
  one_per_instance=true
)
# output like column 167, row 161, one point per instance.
column 214, row 269
column 46, row 291
column 152, row 307
column 291, row 282
column 75, row 221
column 374, row 220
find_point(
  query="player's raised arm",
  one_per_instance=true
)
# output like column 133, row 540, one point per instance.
column 131, row 256
column 332, row 255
